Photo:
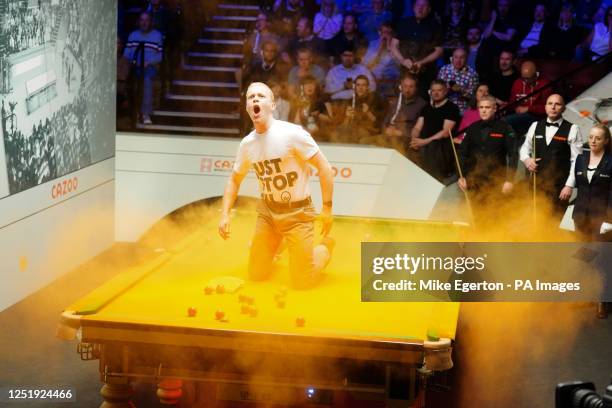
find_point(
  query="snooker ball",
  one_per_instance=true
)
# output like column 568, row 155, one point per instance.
column 300, row 321
column 219, row 314
column 208, row 290
column 192, row 311
column 280, row 303
column 220, row 289
column 245, row 309
column 253, row 312
column 249, row 300
column 242, row 298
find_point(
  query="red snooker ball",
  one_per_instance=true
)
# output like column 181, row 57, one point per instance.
column 245, row 309
column 192, row 311
column 208, row 290
column 300, row 322
column 249, row 300
column 220, row 289
column 219, row 314
column 280, row 303
column 253, row 312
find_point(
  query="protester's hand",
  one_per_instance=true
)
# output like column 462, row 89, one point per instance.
column 224, row 226
column 566, row 193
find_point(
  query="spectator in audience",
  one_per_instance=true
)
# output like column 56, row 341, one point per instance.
column 431, row 132
column 161, row 17
column 349, row 36
column 282, row 106
column 362, row 115
column 488, row 155
column 402, row 115
column 531, row 108
column 472, row 114
column 303, row 69
column 269, row 67
column 309, row 108
column 585, row 11
column 460, row 79
column 473, row 40
column 593, row 173
column 254, row 42
column 564, row 37
column 455, row 23
column 379, row 61
column 418, row 43
column 531, row 43
column 369, row 23
column 501, row 80
column 600, row 38
column 145, row 46
column 499, row 33
column 550, row 150
column 339, row 82
column 327, row 22
column 305, row 39
column 288, row 12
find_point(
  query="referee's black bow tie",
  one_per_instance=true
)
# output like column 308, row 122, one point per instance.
column 552, row 124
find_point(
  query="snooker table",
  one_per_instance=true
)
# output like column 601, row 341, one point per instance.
column 346, row 353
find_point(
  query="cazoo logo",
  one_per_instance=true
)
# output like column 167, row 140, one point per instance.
column 210, row 165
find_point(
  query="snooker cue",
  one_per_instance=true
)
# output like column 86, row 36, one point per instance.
column 465, row 194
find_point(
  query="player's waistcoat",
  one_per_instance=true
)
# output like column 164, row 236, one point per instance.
column 554, row 165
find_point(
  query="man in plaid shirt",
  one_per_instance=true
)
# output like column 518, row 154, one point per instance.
column 462, row 80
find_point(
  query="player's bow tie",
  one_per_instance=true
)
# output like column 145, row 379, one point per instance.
column 552, row 124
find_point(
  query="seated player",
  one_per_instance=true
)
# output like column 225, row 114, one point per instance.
column 281, row 154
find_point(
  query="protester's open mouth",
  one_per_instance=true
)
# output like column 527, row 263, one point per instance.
column 256, row 109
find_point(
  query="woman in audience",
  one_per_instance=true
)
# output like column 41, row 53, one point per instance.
column 471, row 114
column 309, row 108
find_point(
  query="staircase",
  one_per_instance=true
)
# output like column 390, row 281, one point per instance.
column 204, row 96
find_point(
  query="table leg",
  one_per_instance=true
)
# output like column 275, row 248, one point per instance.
column 117, row 393
column 169, row 391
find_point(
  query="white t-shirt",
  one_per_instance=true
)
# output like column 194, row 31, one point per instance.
column 279, row 158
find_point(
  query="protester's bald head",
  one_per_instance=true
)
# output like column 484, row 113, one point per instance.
column 265, row 88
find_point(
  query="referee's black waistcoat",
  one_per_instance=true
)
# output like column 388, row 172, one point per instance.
column 489, row 150
column 593, row 203
column 555, row 163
